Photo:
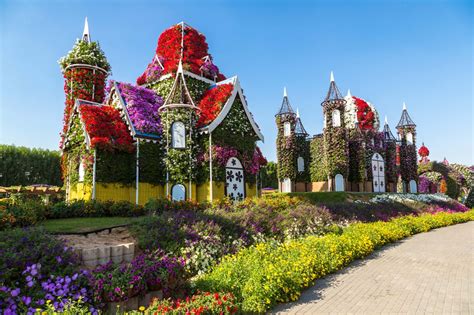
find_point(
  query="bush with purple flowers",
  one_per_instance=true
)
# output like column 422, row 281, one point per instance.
column 36, row 267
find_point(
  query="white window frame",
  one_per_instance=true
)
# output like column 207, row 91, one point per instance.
column 409, row 138
column 82, row 170
column 174, row 135
column 300, row 163
column 286, row 129
column 336, row 118
column 173, row 191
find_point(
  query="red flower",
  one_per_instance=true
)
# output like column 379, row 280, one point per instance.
column 212, row 102
column 365, row 115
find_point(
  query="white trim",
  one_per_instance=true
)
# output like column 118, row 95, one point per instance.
column 128, row 121
column 94, row 167
column 198, row 77
column 225, row 110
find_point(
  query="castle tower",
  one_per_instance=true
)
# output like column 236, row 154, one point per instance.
column 406, row 129
column 303, row 156
column 85, row 70
column 335, row 137
column 286, row 145
column 179, row 118
column 391, row 155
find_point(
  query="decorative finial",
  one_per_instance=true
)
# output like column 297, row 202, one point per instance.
column 349, row 95
column 386, row 120
column 404, row 106
column 285, row 94
column 180, row 67
column 332, row 76
column 297, row 113
column 85, row 34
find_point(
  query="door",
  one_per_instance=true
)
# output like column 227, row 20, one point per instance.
column 235, row 181
column 339, row 185
column 378, row 173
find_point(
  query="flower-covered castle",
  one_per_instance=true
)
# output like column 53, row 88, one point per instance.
column 351, row 154
column 182, row 132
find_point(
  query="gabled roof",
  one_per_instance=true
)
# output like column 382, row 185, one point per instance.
column 405, row 120
column 103, row 126
column 139, row 106
column 226, row 108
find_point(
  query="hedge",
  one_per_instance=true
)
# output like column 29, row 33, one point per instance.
column 270, row 273
column 25, row 166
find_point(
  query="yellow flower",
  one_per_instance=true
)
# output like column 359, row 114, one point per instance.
column 141, row 308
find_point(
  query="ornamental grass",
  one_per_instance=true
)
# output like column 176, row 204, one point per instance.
column 269, row 273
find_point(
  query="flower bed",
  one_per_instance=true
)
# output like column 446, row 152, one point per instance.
column 270, row 273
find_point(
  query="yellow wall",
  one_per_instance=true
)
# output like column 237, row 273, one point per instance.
column 120, row 192
column 80, row 191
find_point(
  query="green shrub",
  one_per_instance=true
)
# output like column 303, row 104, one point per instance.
column 268, row 273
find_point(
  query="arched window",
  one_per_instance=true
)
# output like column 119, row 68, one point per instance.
column 300, row 163
column 82, row 171
column 286, row 129
column 178, row 192
column 409, row 138
column 178, row 135
column 324, row 121
column 339, row 185
column 336, row 118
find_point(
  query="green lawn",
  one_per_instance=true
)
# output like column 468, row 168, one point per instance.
column 79, row 225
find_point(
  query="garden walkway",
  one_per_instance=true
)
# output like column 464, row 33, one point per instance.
column 429, row 273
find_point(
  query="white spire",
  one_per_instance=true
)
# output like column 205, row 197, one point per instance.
column 404, row 106
column 332, row 76
column 285, row 94
column 386, row 120
column 180, row 67
column 349, row 95
column 297, row 112
column 85, row 34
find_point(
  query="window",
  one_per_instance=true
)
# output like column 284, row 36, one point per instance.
column 178, row 135
column 324, row 121
column 409, row 138
column 300, row 164
column 81, row 170
column 286, row 129
column 178, row 192
column 336, row 118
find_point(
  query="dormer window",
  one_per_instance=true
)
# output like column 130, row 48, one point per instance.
column 178, row 135
column 82, row 171
column 287, row 129
column 336, row 118
column 300, row 163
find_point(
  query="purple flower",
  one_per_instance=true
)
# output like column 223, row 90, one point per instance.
column 26, row 300
column 15, row 292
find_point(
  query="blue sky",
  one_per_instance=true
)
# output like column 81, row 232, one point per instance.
column 387, row 52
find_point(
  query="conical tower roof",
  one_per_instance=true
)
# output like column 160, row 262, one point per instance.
column 405, row 120
column 299, row 128
column 179, row 95
column 285, row 105
column 333, row 92
column 388, row 135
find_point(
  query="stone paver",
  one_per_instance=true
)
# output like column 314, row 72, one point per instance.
column 429, row 273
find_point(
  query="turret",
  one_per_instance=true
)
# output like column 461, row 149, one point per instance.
column 286, row 145
column 336, row 144
column 85, row 70
column 179, row 118
column 408, row 159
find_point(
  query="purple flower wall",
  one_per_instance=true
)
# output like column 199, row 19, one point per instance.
column 142, row 105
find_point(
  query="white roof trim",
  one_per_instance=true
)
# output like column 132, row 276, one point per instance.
column 198, row 77
column 225, row 110
column 128, row 121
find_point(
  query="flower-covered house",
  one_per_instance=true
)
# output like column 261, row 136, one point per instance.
column 183, row 131
column 351, row 154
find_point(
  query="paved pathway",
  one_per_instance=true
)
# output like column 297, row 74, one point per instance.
column 429, row 273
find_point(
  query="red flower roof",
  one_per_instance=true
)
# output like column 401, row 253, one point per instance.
column 423, row 151
column 212, row 102
column 105, row 128
column 181, row 41
column 365, row 115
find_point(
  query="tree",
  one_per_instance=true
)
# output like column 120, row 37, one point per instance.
column 269, row 175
